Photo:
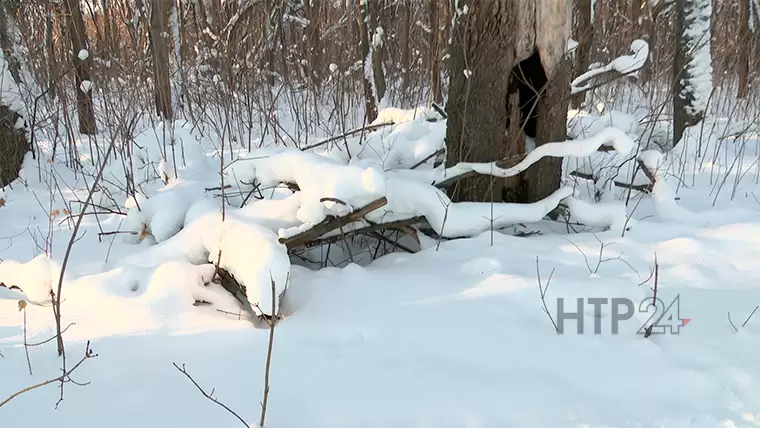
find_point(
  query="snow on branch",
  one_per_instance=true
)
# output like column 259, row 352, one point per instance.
column 618, row 139
column 625, row 64
column 324, row 181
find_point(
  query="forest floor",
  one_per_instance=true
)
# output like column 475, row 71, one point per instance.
column 454, row 335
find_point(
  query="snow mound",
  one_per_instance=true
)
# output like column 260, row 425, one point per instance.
column 32, row 281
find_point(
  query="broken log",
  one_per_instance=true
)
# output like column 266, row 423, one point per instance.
column 330, row 224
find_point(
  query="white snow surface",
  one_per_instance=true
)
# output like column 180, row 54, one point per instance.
column 453, row 335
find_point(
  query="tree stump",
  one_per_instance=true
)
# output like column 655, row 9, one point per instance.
column 13, row 145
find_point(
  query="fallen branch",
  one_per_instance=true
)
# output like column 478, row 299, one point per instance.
column 372, row 228
column 428, row 157
column 229, row 283
column 331, row 223
column 515, row 165
column 346, row 134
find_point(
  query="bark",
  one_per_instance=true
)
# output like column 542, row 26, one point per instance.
column 543, row 178
column 13, row 146
column 159, row 31
column 435, row 53
column 691, row 75
column 374, row 79
column 7, row 43
column 584, row 32
column 313, row 41
column 482, row 56
column 79, row 41
column 745, row 44
column 509, row 64
column 405, row 16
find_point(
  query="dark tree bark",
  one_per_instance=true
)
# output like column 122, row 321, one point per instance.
column 7, row 42
column 435, row 52
column 313, row 41
column 692, row 80
column 745, row 44
column 482, row 57
column 506, row 82
column 159, row 30
column 584, row 34
column 13, row 146
column 374, row 79
column 79, row 42
column 405, row 16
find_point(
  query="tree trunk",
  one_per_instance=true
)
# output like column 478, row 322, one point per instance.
column 313, row 41
column 508, row 82
column 371, row 57
column 13, row 138
column 692, row 65
column 405, row 16
column 159, row 30
column 435, row 53
column 745, row 45
column 481, row 57
column 7, row 43
column 79, row 42
column 13, row 145
column 584, row 32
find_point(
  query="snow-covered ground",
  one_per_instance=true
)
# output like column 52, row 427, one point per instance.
column 454, row 335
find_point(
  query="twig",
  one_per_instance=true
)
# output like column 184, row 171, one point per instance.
column 750, row 316
column 732, row 323
column 645, row 188
column 542, row 291
column 272, row 321
column 428, row 157
column 48, row 340
column 648, row 330
column 22, row 307
column 346, row 134
column 211, row 395
column 745, row 321
column 87, row 355
column 70, row 245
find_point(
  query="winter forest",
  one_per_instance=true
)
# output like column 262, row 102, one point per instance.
column 372, row 213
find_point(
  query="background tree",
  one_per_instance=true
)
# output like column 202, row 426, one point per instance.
column 508, row 82
column 692, row 64
column 79, row 44
column 159, row 32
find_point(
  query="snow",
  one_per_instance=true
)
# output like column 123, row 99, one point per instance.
column 453, row 335
column 31, row 281
column 85, row 86
column 625, row 64
column 83, row 54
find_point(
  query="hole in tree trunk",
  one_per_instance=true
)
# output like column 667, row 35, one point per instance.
column 528, row 78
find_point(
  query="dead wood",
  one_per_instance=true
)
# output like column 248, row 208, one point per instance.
column 330, row 224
